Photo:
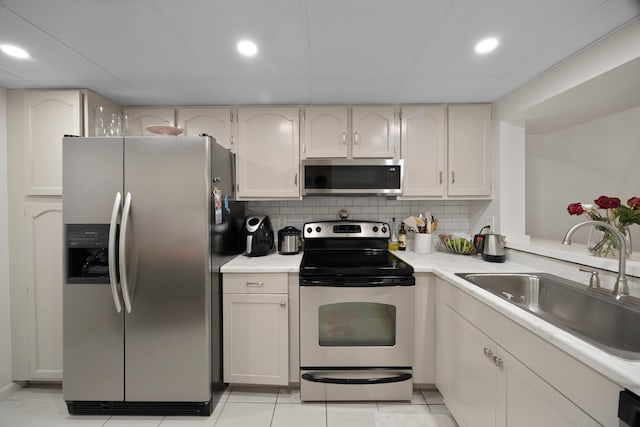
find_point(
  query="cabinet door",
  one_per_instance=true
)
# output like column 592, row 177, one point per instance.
column 214, row 121
column 424, row 332
column 374, row 132
column 136, row 119
column 526, row 400
column 268, row 153
column 469, row 150
column 256, row 338
column 44, row 288
column 468, row 372
column 423, row 142
column 326, row 132
column 48, row 116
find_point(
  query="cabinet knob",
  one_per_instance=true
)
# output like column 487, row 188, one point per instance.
column 497, row 361
column 283, row 303
column 488, row 353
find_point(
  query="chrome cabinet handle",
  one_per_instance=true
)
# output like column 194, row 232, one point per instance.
column 113, row 275
column 295, row 180
column 355, row 138
column 440, row 177
column 255, row 284
column 497, row 361
column 453, row 177
column 487, row 352
column 123, row 252
column 344, row 138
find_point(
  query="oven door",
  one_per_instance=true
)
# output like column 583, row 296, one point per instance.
column 357, row 325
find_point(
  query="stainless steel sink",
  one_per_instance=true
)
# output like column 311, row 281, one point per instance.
column 591, row 314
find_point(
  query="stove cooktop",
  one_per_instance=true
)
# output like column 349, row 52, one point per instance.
column 353, row 263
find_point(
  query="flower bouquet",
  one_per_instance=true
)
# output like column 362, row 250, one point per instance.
column 613, row 212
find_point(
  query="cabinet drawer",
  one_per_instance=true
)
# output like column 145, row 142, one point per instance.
column 255, row 283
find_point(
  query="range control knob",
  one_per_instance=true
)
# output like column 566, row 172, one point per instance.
column 375, row 228
column 309, row 230
column 318, row 229
column 384, row 229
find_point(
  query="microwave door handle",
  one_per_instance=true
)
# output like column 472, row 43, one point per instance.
column 126, row 213
column 113, row 275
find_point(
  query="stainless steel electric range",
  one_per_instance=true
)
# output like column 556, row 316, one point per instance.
column 356, row 314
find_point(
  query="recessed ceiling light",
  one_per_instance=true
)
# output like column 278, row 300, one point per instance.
column 247, row 48
column 14, row 51
column 486, row 45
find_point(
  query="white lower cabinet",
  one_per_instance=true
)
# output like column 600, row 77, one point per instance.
column 255, row 322
column 424, row 329
column 484, row 384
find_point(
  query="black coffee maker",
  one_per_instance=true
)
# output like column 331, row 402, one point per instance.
column 257, row 235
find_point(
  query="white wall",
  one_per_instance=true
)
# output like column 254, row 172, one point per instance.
column 562, row 82
column 579, row 164
column 5, row 325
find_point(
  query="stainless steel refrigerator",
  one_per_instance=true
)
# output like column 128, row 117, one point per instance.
column 148, row 221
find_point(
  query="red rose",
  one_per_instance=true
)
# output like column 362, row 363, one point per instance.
column 634, row 202
column 605, row 202
column 575, row 209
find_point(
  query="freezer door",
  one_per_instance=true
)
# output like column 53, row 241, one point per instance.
column 166, row 263
column 93, row 330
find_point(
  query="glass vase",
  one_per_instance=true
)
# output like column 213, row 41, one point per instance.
column 602, row 243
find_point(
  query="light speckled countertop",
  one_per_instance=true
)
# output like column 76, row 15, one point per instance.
column 444, row 265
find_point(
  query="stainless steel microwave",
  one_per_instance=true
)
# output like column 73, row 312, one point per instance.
column 352, row 177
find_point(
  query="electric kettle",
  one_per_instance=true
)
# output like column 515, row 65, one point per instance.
column 490, row 245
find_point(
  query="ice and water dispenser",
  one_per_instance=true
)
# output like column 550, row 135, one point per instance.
column 87, row 247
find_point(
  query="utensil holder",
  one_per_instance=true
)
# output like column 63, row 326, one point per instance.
column 422, row 243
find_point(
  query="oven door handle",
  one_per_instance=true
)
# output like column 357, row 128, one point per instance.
column 383, row 380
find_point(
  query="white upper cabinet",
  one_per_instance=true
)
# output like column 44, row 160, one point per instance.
column 374, row 132
column 469, row 151
column 214, row 121
column 137, row 118
column 268, row 150
column 326, row 132
column 424, row 150
column 48, row 116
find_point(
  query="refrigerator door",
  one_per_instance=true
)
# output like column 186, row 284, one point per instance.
column 93, row 330
column 166, row 248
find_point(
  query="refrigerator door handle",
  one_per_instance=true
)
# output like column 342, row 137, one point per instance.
column 113, row 227
column 123, row 252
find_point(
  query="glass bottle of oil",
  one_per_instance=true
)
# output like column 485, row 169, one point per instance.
column 402, row 238
column 393, row 240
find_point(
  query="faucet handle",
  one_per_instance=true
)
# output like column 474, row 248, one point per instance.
column 594, row 280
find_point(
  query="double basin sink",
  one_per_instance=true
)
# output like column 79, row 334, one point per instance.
column 593, row 315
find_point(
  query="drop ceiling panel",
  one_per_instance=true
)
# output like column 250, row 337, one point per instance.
column 267, row 91
column 441, row 89
column 49, row 58
column 360, row 38
column 353, row 91
column 129, row 39
column 179, row 92
column 522, row 28
column 276, row 26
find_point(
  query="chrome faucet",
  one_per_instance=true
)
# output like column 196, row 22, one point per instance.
column 621, row 288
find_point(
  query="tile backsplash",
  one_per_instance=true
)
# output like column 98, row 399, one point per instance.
column 453, row 215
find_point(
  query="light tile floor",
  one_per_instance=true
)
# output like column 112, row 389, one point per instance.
column 42, row 406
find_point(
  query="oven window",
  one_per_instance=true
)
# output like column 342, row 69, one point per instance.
column 357, row 324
